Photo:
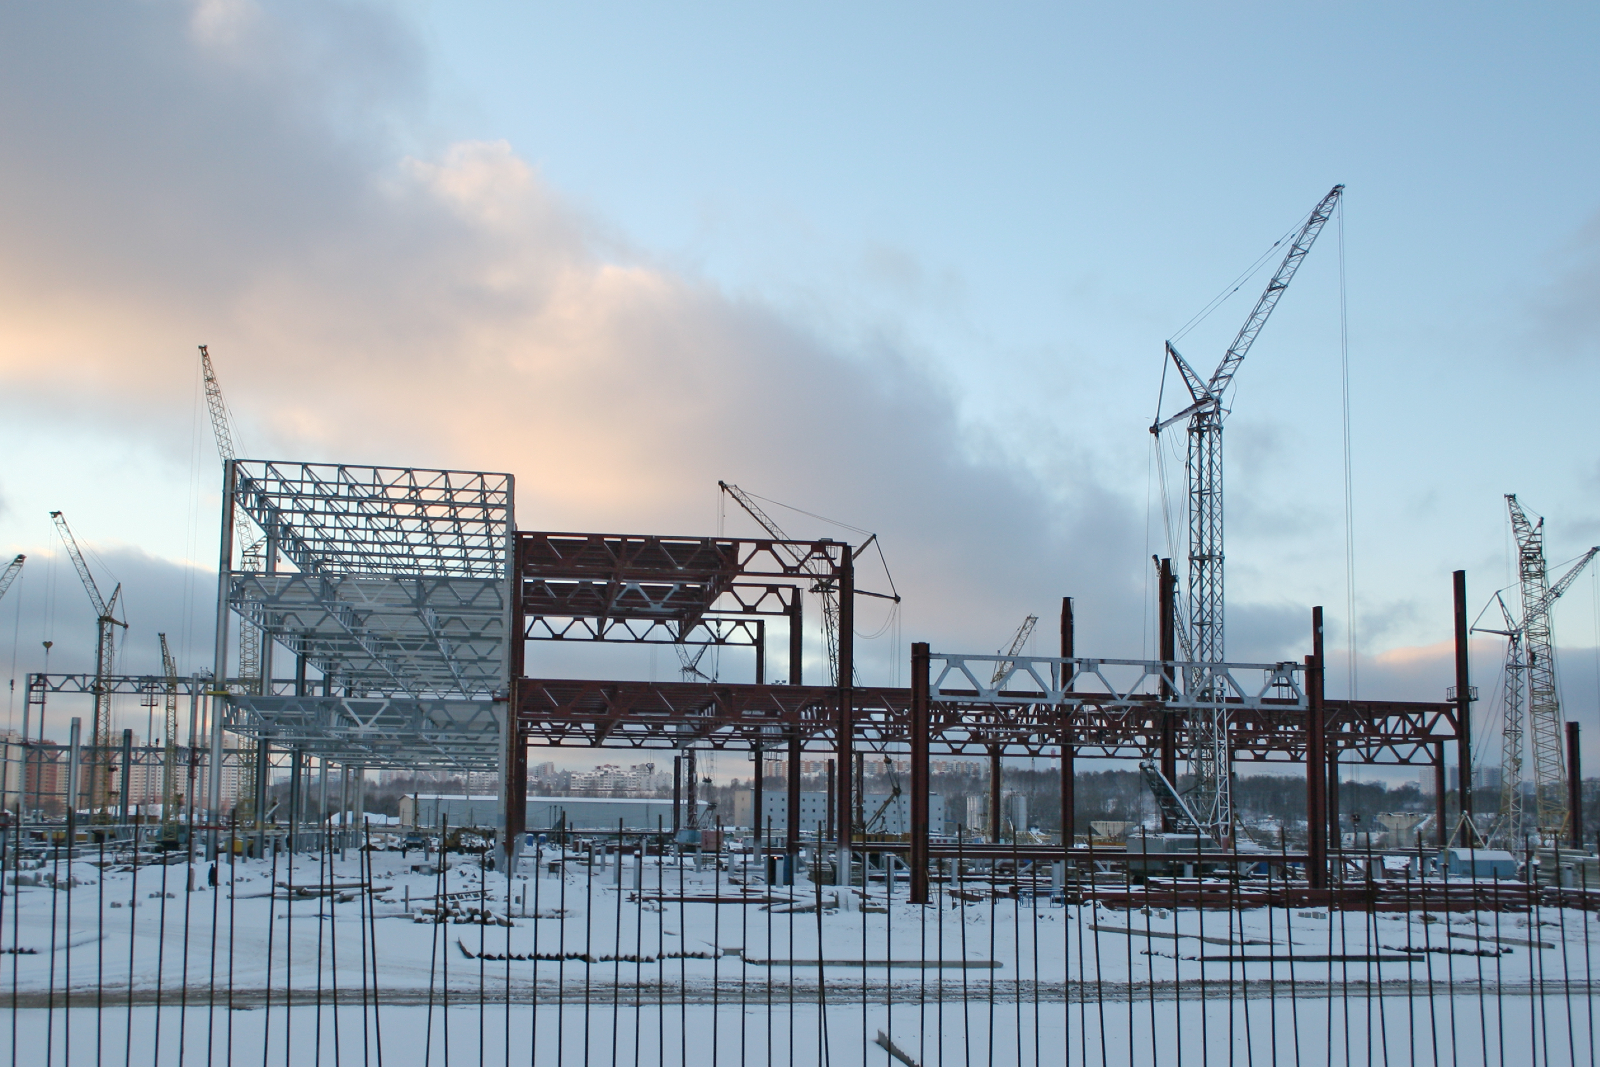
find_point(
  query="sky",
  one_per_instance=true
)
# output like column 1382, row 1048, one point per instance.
column 909, row 267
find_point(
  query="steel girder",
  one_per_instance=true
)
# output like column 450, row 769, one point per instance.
column 385, row 731
column 673, row 590
column 1107, row 725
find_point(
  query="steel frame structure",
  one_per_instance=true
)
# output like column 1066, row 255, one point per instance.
column 390, row 584
column 648, row 589
column 1111, row 724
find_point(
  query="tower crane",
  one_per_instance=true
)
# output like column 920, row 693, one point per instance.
column 100, row 790
column 1533, row 705
column 13, row 569
column 1211, row 755
column 169, row 763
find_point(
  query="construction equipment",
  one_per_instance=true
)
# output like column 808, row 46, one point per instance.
column 1532, row 703
column 170, row 793
column 13, row 569
column 252, row 558
column 101, row 791
column 1171, row 803
column 1211, row 756
column 824, row 585
column 1018, row 643
column 879, row 817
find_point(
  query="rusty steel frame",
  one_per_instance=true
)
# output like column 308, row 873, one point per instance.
column 626, row 714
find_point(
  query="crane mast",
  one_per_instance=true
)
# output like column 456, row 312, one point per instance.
column 1538, row 667
column 101, row 792
column 1211, row 755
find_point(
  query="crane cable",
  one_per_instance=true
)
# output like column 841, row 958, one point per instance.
column 1349, row 491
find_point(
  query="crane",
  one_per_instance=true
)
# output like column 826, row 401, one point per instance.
column 1018, row 643
column 169, row 763
column 878, row 817
column 819, row 568
column 1211, row 755
column 1533, row 705
column 252, row 558
column 100, row 791
column 13, row 569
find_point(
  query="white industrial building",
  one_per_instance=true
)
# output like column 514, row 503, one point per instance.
column 430, row 811
column 896, row 817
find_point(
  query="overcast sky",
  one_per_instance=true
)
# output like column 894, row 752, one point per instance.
column 909, row 267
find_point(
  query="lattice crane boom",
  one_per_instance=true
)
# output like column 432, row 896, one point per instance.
column 1211, row 754
column 1018, row 642
column 824, row 586
column 169, row 764
column 221, row 425
column 99, row 777
column 13, row 569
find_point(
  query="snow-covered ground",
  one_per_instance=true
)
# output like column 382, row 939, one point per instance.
column 986, row 981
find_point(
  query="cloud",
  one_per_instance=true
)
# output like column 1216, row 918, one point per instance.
column 253, row 177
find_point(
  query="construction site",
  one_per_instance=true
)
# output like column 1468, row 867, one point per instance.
column 373, row 619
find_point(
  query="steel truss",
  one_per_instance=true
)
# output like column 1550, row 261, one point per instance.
column 388, row 583
column 663, row 590
column 969, row 716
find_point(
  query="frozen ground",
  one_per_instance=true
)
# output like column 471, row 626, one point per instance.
column 703, row 982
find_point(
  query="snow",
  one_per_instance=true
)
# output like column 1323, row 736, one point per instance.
column 1069, row 977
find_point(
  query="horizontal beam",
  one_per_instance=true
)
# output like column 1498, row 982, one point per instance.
column 1107, row 725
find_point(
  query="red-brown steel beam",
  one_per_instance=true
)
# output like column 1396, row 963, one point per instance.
column 919, row 773
column 1316, row 762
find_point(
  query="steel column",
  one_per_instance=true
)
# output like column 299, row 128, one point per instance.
column 1463, row 700
column 919, row 772
column 791, row 827
column 1574, row 787
column 127, row 761
column 1441, row 830
column 994, row 794
column 1316, row 762
column 846, row 723
column 1069, row 752
column 1168, row 609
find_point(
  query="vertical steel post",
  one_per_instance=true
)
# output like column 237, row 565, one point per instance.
column 791, row 825
column 219, row 663
column 677, row 795
column 1316, row 761
column 846, row 723
column 761, row 652
column 1441, row 831
column 1168, row 610
column 514, row 743
column 74, row 758
column 994, row 794
column 758, row 811
column 1574, row 787
column 297, row 762
column 919, row 772
column 1069, row 751
column 1463, row 705
column 796, row 641
column 127, row 772
column 830, row 823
